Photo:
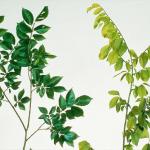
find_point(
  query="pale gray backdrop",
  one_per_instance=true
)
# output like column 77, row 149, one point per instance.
column 77, row 45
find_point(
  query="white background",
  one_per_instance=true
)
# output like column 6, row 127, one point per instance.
column 77, row 45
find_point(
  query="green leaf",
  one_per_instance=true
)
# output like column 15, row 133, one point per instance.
column 70, row 98
column 20, row 34
column 2, row 68
column 43, row 110
column 43, row 14
column 104, row 52
column 78, row 112
column 38, row 37
column 144, row 134
column 2, row 31
column 24, row 28
column 142, row 91
column 21, row 106
column 113, row 102
column 128, row 66
column 27, row 16
column 9, row 38
column 119, row 64
column 54, row 80
column 20, row 95
column 83, row 100
column 59, row 89
column 1, row 19
column 50, row 93
column 41, row 29
column 129, row 78
column 144, row 75
column 133, row 54
column 25, row 100
column 131, row 122
column 117, row 44
column 62, row 102
column 70, row 114
column 113, row 92
column 98, row 10
column 112, row 57
column 70, row 136
column 84, row 145
column 146, row 147
column 42, row 92
column 143, row 59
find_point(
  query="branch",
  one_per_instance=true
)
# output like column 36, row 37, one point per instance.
column 39, row 128
column 14, row 110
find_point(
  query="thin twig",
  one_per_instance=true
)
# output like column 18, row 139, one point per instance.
column 14, row 110
column 39, row 128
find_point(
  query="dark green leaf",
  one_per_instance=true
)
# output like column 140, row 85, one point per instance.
column 78, row 112
column 20, row 95
column 25, row 100
column 2, row 68
column 9, row 38
column 41, row 29
column 54, row 81
column 59, row 89
column 42, row 92
column 70, row 114
column 43, row 14
column 83, row 100
column 21, row 106
column 70, row 98
column 27, row 16
column 43, row 110
column 50, row 93
column 1, row 19
column 24, row 28
column 62, row 102
column 38, row 37
column 2, row 31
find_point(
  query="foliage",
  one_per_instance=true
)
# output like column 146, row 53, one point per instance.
column 26, row 52
column 135, row 71
column 84, row 145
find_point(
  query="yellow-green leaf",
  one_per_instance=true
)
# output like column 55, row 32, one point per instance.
column 104, row 52
column 113, row 102
column 112, row 57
